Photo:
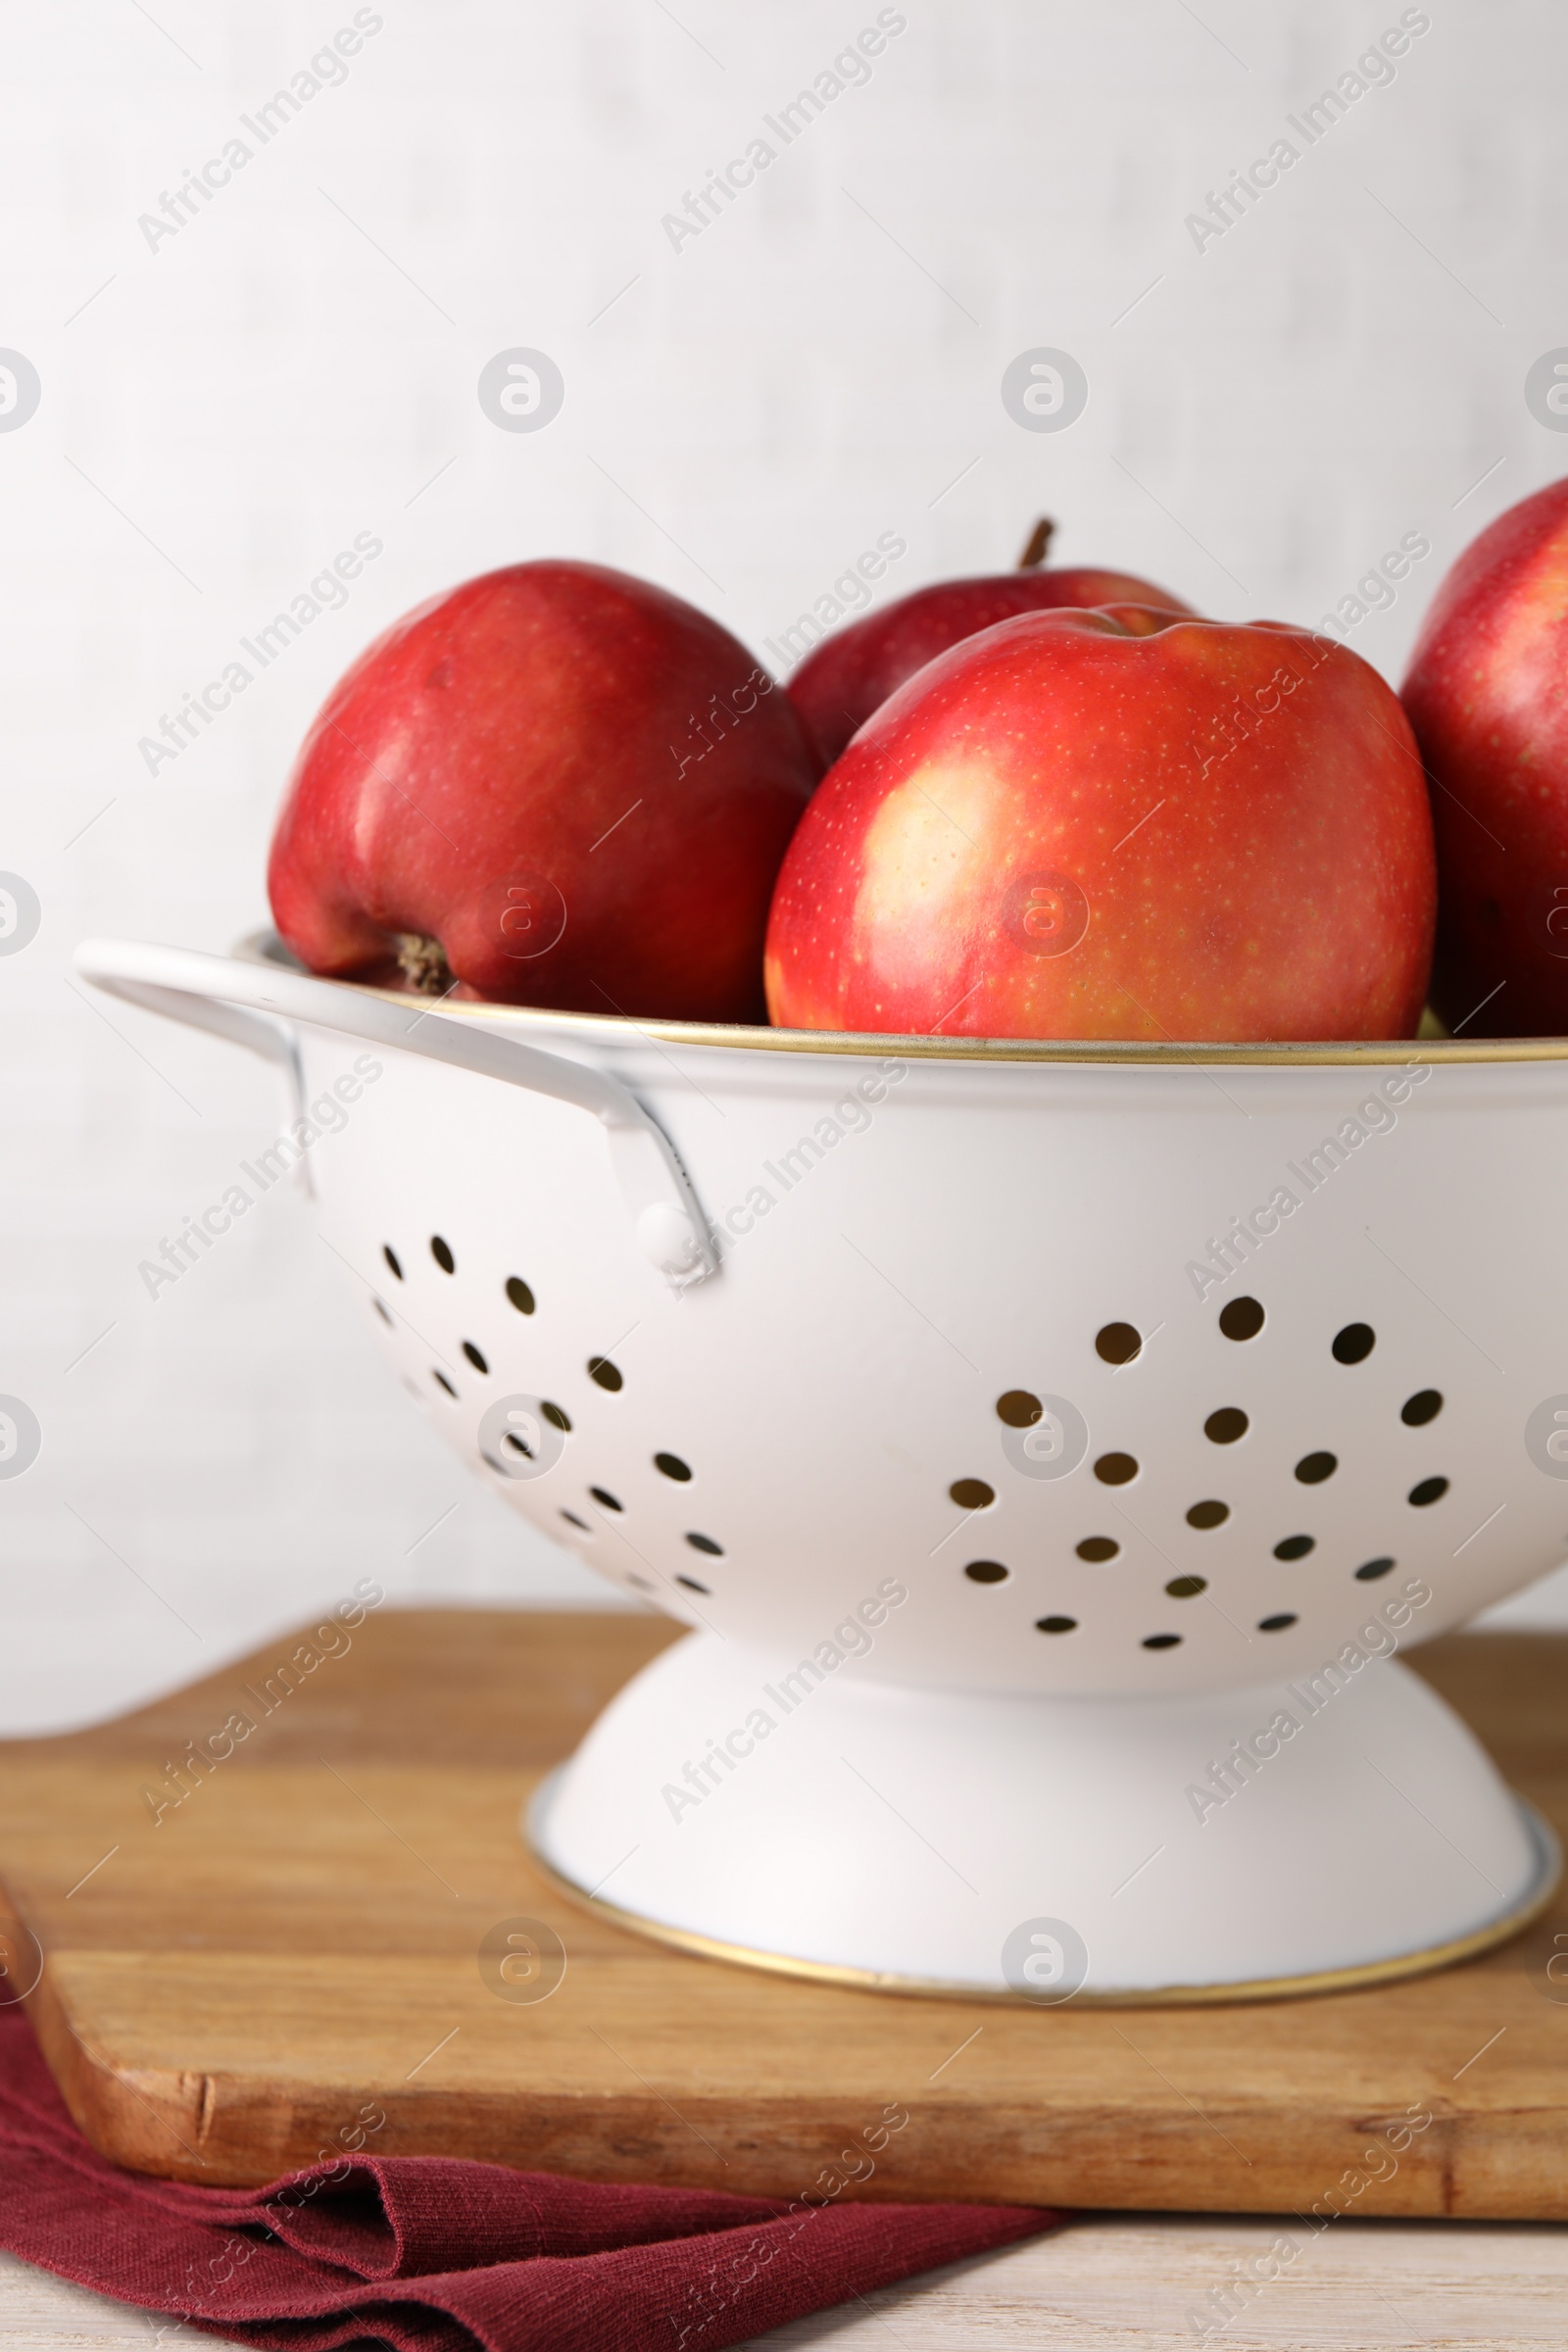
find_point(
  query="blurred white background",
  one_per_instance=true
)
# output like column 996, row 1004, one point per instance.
column 225, row 407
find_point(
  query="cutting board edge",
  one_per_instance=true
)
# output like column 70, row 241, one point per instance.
column 1486, row 2165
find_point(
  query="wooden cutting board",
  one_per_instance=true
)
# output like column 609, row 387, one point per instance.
column 289, row 1961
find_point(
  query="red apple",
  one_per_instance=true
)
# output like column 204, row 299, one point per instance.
column 554, row 785
column 1066, row 828
column 839, row 684
column 1488, row 696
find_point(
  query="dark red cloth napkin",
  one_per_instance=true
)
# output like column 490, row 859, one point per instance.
column 434, row 2254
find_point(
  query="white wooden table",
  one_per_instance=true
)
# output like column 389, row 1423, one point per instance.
column 1109, row 2283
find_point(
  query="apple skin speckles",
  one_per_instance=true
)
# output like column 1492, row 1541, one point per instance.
column 1107, row 824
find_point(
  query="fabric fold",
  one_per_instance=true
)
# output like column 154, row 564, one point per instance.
column 438, row 2254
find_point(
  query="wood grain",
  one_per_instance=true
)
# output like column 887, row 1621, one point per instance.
column 1118, row 2283
column 235, row 1989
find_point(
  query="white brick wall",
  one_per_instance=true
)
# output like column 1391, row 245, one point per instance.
column 818, row 365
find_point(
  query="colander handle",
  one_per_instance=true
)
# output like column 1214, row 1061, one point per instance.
column 235, row 1000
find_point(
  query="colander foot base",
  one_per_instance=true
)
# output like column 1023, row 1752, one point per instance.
column 1218, row 1847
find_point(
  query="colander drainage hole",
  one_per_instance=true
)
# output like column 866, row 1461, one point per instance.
column 705, row 1543
column 1354, row 1344
column 1187, row 1587
column 1294, row 1547
column 1226, row 1426
column 521, row 1296
column 1161, row 1641
column 607, row 1374
column 971, row 1493
column 1118, row 1342
column 1055, row 1625
column 572, row 1519
column 692, row 1585
column 1208, row 1514
column 442, row 1382
column 1240, row 1319
column 987, row 1572
column 380, row 1311
column 555, row 1416
column 1425, row 1405
column 1429, row 1489
column 1313, row 1468
column 1278, row 1622
column 442, row 1254
column 1115, row 1469
column 604, row 1499
column 1019, row 1409
column 1099, row 1550
column 672, row 1466
column 1372, row 1571
column 391, row 1257
column 644, row 1583
column 474, row 1357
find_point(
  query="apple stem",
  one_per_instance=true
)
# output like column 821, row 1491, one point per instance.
column 422, row 961
column 1040, row 538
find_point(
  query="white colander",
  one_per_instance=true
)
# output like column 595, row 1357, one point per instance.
column 1051, row 1443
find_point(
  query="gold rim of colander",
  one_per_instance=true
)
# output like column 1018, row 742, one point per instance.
column 1512, row 1922
column 266, row 948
